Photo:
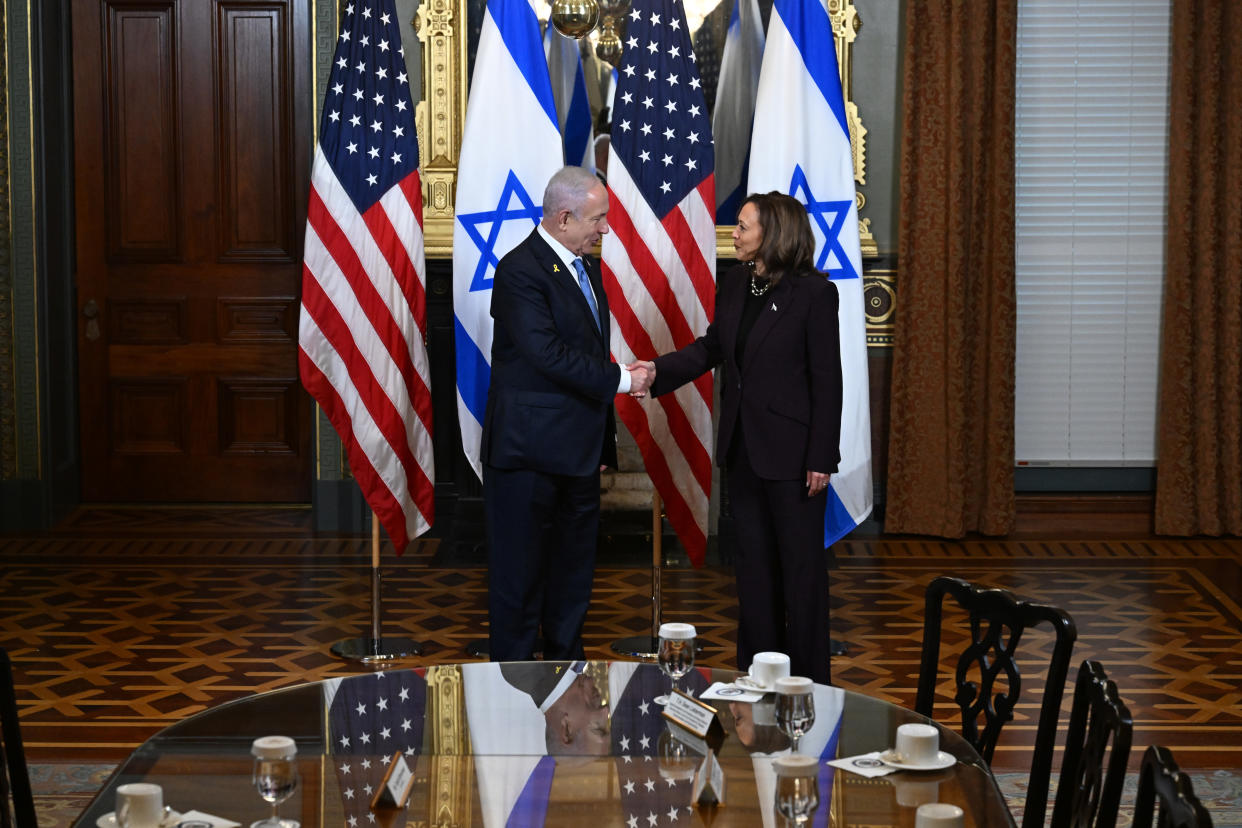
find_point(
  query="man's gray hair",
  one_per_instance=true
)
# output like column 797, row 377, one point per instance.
column 567, row 190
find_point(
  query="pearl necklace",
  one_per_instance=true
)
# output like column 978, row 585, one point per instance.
column 758, row 287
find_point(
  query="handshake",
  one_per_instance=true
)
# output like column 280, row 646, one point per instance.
column 642, row 374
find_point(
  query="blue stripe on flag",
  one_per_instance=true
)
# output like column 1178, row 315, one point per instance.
column 837, row 519
column 807, row 21
column 531, row 807
column 473, row 371
column 578, row 121
column 519, row 28
column 826, row 774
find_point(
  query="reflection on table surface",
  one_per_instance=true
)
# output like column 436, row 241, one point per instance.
column 538, row 743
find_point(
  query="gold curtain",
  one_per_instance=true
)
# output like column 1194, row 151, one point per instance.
column 951, row 449
column 1199, row 477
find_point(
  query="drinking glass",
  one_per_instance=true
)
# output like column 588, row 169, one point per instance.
column 275, row 776
column 795, row 707
column 797, row 788
column 676, row 653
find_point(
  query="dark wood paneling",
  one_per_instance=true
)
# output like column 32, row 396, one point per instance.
column 255, row 136
column 148, row 321
column 204, row 358
column 198, row 103
column 242, row 319
column 258, row 415
column 141, row 115
column 149, row 416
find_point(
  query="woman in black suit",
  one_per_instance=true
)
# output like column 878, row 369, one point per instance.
column 775, row 332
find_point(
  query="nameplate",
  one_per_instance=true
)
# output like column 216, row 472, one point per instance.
column 690, row 713
column 709, row 782
column 395, row 787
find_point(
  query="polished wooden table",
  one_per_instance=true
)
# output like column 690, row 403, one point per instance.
column 539, row 743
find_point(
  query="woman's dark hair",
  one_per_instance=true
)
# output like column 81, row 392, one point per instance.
column 788, row 246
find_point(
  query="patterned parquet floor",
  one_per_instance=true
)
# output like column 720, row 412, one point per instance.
column 122, row 622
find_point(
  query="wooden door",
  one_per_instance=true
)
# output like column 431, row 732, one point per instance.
column 192, row 140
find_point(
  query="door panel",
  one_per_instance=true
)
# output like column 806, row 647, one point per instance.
column 192, row 155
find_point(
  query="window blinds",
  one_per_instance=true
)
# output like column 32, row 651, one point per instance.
column 1092, row 145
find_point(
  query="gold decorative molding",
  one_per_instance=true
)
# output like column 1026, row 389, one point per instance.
column 879, row 304
column 441, row 117
column 451, row 764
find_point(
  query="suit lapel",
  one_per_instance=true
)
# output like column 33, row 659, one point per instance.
column 563, row 277
column 776, row 304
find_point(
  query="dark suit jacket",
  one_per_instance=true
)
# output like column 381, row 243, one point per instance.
column 549, row 405
column 786, row 394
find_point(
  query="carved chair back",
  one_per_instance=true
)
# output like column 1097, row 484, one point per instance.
column 16, row 800
column 1161, row 781
column 987, row 683
column 1097, row 747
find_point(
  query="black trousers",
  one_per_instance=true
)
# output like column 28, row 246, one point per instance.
column 542, row 533
column 781, row 570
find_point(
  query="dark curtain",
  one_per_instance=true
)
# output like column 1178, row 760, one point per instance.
column 951, row 450
column 1199, row 478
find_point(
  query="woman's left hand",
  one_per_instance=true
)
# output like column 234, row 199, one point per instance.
column 816, row 482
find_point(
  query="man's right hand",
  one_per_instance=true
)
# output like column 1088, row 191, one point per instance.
column 642, row 374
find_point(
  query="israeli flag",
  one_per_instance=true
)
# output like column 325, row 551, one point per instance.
column 569, row 90
column 735, row 106
column 510, row 148
column 801, row 128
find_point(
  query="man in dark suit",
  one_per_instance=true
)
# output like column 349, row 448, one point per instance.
column 549, row 427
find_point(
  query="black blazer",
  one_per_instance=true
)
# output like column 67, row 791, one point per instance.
column 549, row 404
column 786, row 394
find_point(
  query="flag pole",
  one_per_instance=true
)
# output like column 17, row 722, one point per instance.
column 644, row 646
column 375, row 647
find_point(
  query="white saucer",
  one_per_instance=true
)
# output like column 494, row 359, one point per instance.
column 108, row 820
column 943, row 760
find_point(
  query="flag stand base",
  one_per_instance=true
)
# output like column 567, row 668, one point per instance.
column 376, row 647
column 370, row 650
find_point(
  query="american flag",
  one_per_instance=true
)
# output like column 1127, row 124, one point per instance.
column 370, row 718
column 659, row 261
column 654, row 792
column 362, row 355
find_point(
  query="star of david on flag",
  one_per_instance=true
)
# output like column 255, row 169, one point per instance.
column 801, row 146
column 510, row 148
column 494, row 220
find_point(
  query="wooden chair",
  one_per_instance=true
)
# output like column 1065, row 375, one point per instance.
column 1099, row 725
column 1160, row 780
column 16, row 801
column 987, row 682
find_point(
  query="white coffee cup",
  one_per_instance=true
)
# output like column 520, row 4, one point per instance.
column 939, row 815
column 765, row 669
column 139, row 805
column 793, row 686
column 917, row 744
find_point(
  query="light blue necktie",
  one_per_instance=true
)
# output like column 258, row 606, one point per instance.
column 585, row 284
